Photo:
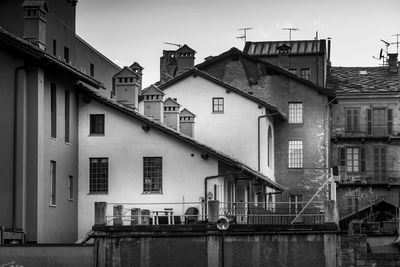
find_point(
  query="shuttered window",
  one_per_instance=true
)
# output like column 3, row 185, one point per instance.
column 352, row 120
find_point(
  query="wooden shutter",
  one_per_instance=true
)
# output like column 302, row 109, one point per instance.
column 342, row 156
column 362, row 159
column 355, row 119
column 390, row 121
column 369, row 121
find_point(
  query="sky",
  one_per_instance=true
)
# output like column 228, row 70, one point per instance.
column 136, row 30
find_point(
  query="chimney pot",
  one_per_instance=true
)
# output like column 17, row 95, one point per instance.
column 392, row 62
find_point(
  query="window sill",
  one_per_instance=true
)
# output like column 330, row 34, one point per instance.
column 96, row 134
column 70, row 199
column 152, row 193
column 67, row 143
column 97, row 193
column 53, row 205
column 54, row 138
column 217, row 112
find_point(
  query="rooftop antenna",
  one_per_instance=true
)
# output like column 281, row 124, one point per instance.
column 244, row 36
column 178, row 45
column 381, row 56
column 386, row 51
column 290, row 31
column 397, row 41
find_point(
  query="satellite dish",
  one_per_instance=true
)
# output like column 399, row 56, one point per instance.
column 223, row 224
column 381, row 54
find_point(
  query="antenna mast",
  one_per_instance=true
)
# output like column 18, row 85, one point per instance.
column 397, row 41
column 290, row 31
column 178, row 45
column 244, row 36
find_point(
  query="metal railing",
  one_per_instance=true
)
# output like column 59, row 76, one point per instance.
column 277, row 213
column 369, row 177
column 365, row 130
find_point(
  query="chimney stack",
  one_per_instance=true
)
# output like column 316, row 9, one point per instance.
column 392, row 62
column 283, row 56
column 174, row 63
column 35, row 22
column 126, row 87
column 171, row 113
column 139, row 71
column 153, row 103
column 186, row 122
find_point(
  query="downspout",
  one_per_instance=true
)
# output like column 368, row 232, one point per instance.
column 326, row 116
column 14, row 169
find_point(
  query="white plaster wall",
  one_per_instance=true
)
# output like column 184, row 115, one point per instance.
column 233, row 132
column 125, row 144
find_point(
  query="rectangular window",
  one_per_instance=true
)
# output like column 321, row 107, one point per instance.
column 380, row 169
column 152, row 174
column 52, row 183
column 293, row 71
column 66, row 54
column 352, row 120
column 295, row 203
column 96, row 124
column 296, row 154
column 70, row 187
column 305, row 74
column 53, row 107
column 218, row 104
column 67, row 111
column 295, row 113
column 98, row 175
column 352, row 159
column 54, row 47
column 92, row 69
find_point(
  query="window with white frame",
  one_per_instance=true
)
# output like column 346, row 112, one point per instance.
column 295, row 154
column 295, row 112
column 305, row 73
column 52, row 183
column 295, row 203
column 352, row 159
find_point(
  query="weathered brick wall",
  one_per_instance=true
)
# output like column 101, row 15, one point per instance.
column 353, row 252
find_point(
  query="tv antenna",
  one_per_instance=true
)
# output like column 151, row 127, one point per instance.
column 244, row 36
column 290, row 31
column 178, row 45
column 397, row 41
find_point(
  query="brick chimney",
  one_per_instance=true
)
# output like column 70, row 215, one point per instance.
column 186, row 122
column 153, row 103
column 171, row 113
column 392, row 62
column 35, row 22
column 126, row 87
column 174, row 63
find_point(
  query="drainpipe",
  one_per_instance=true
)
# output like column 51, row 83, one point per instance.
column 326, row 155
column 14, row 169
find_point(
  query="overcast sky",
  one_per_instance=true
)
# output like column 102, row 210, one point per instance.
column 135, row 30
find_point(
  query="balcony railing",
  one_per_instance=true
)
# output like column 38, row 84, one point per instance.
column 368, row 177
column 365, row 130
column 277, row 213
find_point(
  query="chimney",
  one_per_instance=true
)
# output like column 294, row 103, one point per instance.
column 35, row 22
column 186, row 122
column 153, row 103
column 392, row 62
column 126, row 87
column 139, row 71
column 283, row 56
column 171, row 113
column 174, row 63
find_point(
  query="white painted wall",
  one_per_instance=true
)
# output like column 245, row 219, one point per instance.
column 125, row 144
column 233, row 132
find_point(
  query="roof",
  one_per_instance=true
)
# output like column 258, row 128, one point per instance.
column 298, row 47
column 349, row 80
column 382, row 205
column 152, row 90
column 182, row 137
column 185, row 47
column 169, row 102
column 126, row 72
column 36, row 4
column 33, row 51
column 136, row 65
column 272, row 68
column 186, row 112
column 195, row 71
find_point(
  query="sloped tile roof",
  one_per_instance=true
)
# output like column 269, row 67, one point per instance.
column 297, row 47
column 363, row 80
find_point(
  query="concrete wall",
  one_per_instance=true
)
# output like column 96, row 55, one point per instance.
column 125, row 144
column 215, row 249
column 47, row 256
column 234, row 131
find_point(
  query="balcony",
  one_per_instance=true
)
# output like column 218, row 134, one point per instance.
column 367, row 178
column 365, row 131
column 173, row 214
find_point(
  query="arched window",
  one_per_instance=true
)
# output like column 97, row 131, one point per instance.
column 269, row 146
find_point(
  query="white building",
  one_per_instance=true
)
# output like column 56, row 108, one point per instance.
column 126, row 157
